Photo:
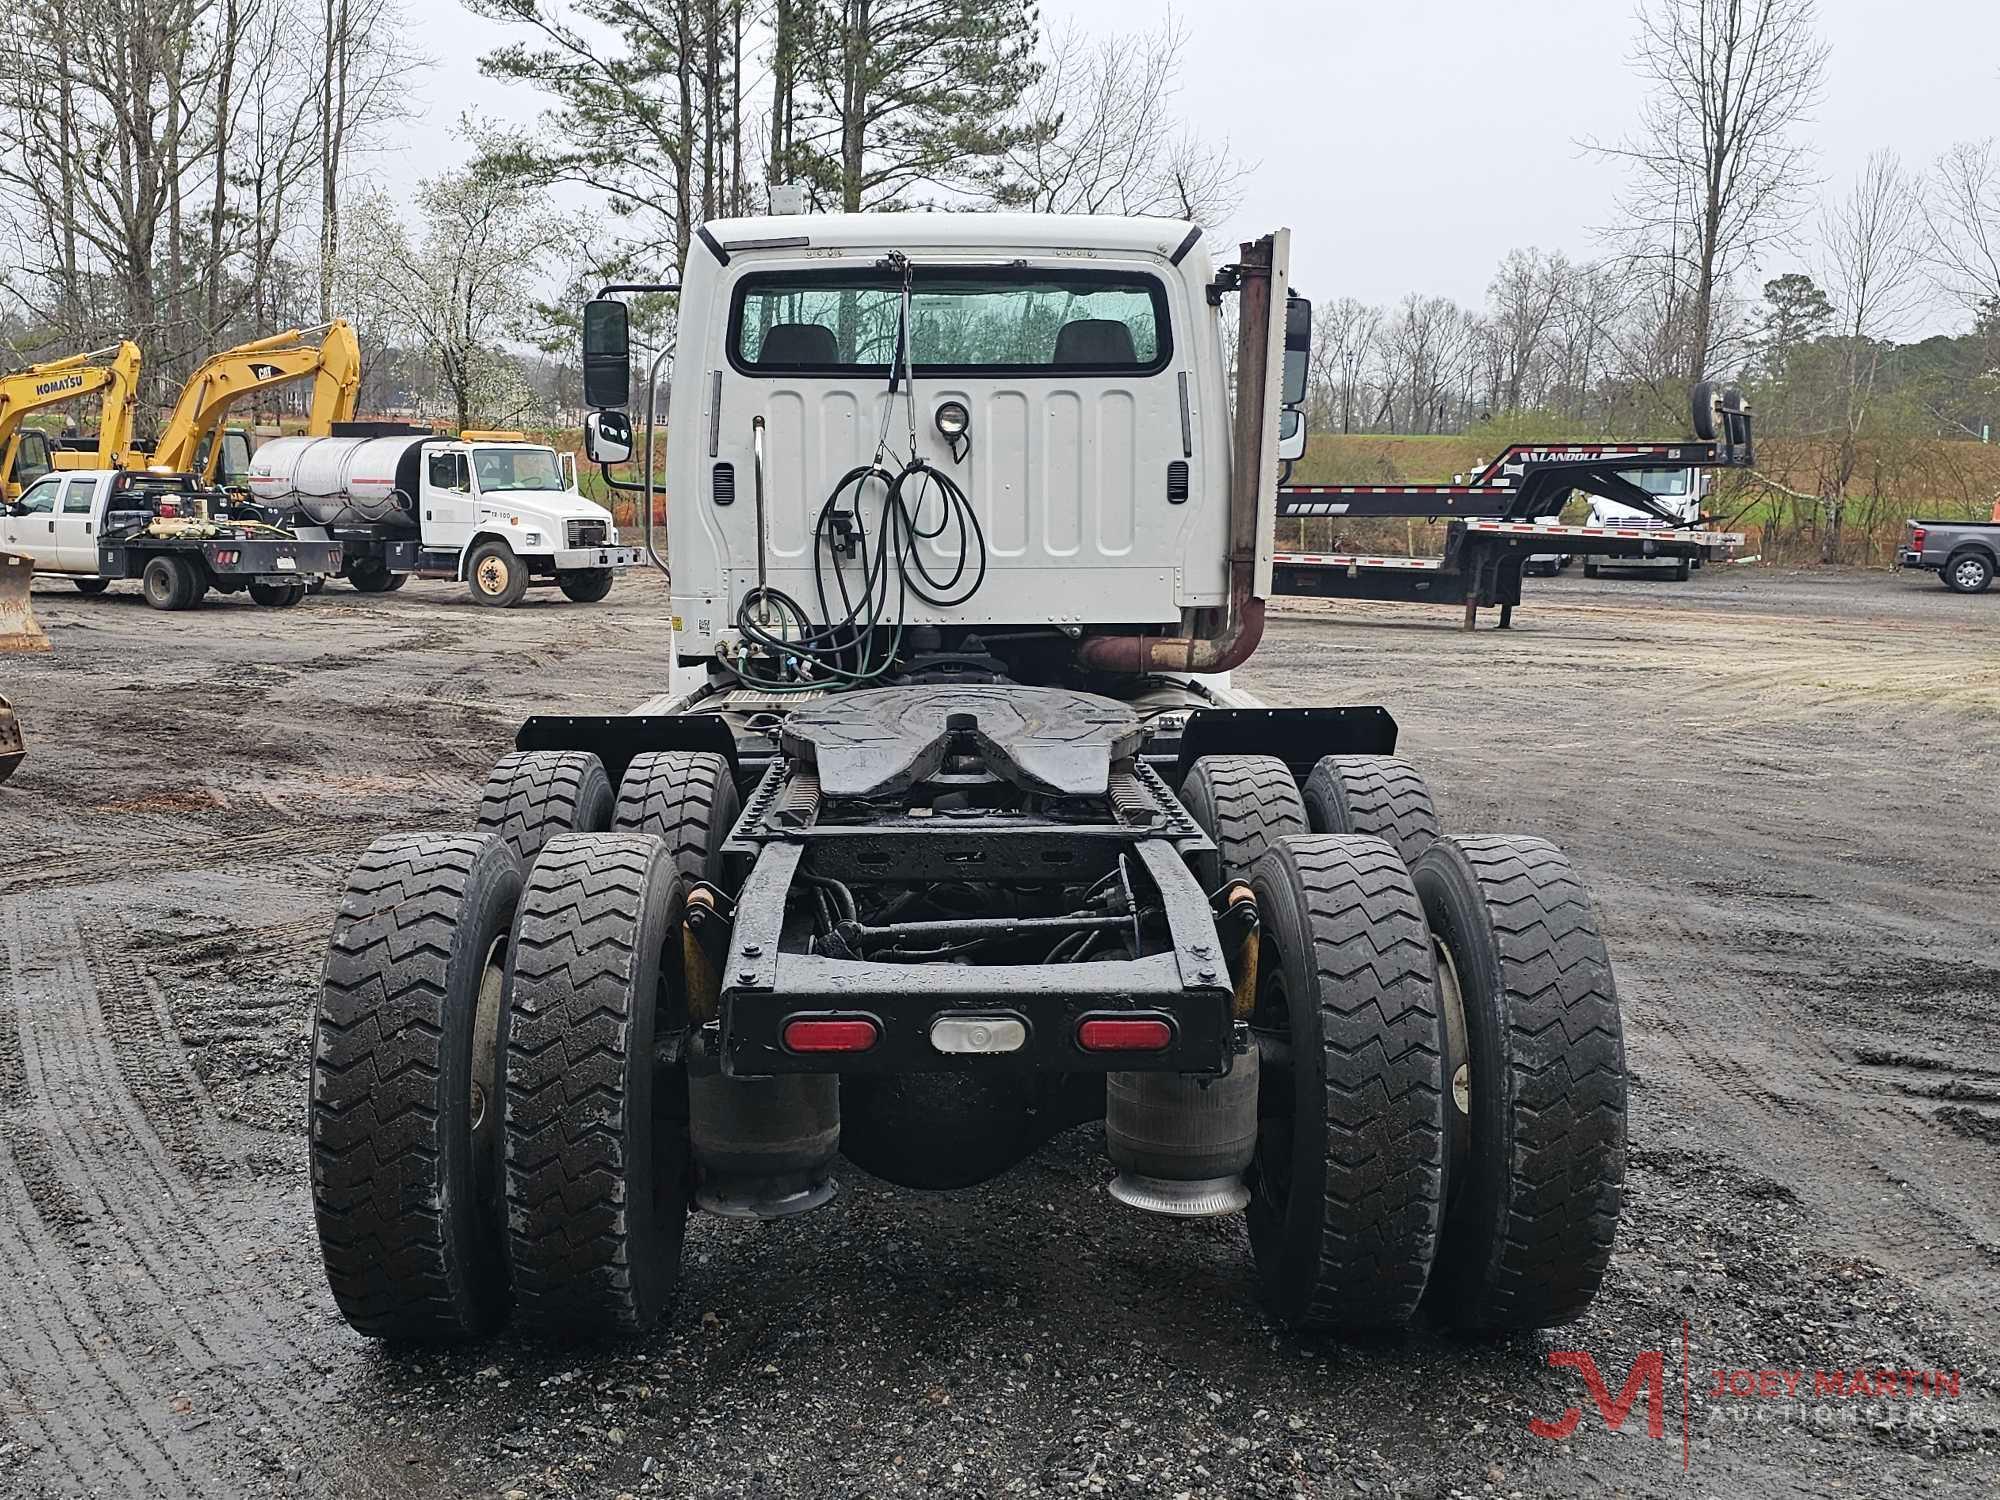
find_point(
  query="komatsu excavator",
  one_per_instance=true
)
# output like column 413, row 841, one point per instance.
column 26, row 454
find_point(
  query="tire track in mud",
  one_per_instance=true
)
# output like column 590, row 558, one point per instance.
column 1749, row 1065
column 150, row 1334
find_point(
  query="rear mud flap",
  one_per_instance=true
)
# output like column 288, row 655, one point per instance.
column 13, row 749
column 18, row 630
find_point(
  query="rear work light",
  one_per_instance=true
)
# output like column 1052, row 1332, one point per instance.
column 1917, row 534
column 1137, row 1034
column 830, row 1034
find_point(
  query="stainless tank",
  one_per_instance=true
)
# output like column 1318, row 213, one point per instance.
column 338, row 481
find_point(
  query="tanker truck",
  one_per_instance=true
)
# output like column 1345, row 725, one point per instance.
column 490, row 509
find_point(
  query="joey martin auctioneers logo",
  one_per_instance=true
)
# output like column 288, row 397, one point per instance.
column 1823, row 1397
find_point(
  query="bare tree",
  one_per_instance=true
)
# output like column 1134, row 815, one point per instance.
column 1717, row 171
column 1872, row 260
column 1524, row 297
column 1962, row 212
column 365, row 68
column 1099, row 133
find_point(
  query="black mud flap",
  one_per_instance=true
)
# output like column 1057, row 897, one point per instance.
column 616, row 738
column 1297, row 736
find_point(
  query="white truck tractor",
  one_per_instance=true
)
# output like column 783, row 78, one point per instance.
column 946, row 831
column 490, row 509
column 1679, row 492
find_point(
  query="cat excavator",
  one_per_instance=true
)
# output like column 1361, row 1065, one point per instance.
column 194, row 439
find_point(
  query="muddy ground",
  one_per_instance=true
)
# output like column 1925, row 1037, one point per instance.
column 1780, row 789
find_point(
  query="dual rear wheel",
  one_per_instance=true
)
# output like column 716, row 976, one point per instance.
column 1442, row 1099
column 490, row 1133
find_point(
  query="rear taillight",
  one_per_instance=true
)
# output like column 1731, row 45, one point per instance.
column 228, row 558
column 830, row 1034
column 1125, row 1034
column 1917, row 535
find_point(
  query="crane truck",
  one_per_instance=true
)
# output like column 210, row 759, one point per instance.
column 945, row 828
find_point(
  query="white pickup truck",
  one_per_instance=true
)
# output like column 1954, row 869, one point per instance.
column 97, row 526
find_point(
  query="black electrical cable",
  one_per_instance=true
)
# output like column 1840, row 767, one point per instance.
column 860, row 642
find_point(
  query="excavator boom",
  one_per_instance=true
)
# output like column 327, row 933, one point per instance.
column 112, row 370
column 330, row 355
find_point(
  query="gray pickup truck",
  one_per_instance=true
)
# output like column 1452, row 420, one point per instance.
column 1965, row 554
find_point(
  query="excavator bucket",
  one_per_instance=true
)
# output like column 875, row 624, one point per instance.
column 13, row 749
column 18, row 630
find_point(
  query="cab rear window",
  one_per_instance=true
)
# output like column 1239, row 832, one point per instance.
column 1002, row 321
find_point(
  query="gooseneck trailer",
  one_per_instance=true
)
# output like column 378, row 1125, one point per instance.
column 946, row 829
column 1496, row 519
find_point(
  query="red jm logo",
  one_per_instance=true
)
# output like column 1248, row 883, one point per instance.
column 1648, row 1374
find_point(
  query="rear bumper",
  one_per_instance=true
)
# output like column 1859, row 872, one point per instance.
column 766, row 985
column 1051, row 1002
column 1908, row 559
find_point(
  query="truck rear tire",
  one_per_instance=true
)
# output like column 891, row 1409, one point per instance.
column 1380, row 795
column 1244, row 803
column 1347, row 1186
column 169, row 583
column 90, row 588
column 495, row 576
column 587, row 585
column 277, row 595
column 1683, row 570
column 405, row 1115
column 370, row 577
column 1535, row 1176
column 1589, row 569
column 597, row 1158
column 532, row 795
column 687, row 798
column 1968, row 573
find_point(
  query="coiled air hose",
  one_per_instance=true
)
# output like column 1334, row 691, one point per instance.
column 786, row 650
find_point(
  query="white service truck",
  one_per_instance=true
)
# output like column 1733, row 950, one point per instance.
column 167, row 531
column 1679, row 491
column 490, row 509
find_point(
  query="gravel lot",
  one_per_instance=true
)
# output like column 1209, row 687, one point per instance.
column 1779, row 788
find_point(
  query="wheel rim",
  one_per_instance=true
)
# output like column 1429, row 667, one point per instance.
column 1277, row 1128
column 1457, row 1060
column 1969, row 575
column 492, row 575
column 484, row 1102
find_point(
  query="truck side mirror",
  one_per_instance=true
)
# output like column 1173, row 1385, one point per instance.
column 1298, row 347
column 1291, row 435
column 607, row 353
column 607, row 437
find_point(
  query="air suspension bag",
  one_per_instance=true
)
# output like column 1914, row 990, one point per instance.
column 1181, row 1143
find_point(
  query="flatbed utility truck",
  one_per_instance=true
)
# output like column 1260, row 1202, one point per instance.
column 946, row 829
column 167, row 532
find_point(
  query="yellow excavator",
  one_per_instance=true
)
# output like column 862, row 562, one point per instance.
column 194, row 439
column 26, row 454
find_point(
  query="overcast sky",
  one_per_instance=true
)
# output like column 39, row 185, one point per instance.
column 1411, row 143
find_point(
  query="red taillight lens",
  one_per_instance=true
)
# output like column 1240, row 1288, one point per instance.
column 1136, row 1035
column 228, row 558
column 1917, row 535
column 845, row 1034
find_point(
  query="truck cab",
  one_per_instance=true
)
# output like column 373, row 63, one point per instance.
column 1067, row 377
column 1679, row 491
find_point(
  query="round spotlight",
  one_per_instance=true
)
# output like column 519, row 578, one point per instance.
column 953, row 420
